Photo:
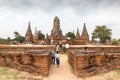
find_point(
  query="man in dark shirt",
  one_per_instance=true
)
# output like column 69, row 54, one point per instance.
column 53, row 56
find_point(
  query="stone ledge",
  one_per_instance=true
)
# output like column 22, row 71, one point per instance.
column 91, row 63
column 30, row 60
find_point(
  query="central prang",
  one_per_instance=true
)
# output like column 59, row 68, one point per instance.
column 56, row 31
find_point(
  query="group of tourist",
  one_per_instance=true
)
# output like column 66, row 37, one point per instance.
column 55, row 57
column 55, row 54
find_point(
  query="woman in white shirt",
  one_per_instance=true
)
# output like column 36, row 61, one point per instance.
column 57, row 56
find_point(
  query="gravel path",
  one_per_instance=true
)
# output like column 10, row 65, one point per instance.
column 62, row 72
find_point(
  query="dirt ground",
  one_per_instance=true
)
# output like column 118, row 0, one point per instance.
column 63, row 72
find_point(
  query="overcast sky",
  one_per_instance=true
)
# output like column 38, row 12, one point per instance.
column 15, row 15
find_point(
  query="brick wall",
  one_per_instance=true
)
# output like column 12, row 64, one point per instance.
column 78, row 42
column 90, row 62
column 103, row 48
column 35, row 60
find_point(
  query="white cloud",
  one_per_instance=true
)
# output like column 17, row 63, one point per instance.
column 15, row 14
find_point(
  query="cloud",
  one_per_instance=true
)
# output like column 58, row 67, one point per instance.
column 72, row 14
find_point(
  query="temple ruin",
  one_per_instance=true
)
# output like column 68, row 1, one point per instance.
column 56, row 32
column 29, row 36
column 57, row 35
column 85, row 60
column 94, row 60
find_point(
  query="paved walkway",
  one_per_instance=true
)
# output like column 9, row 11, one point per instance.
column 63, row 72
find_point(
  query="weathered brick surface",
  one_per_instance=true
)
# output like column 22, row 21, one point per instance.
column 89, row 63
column 78, row 42
column 37, row 60
column 100, row 48
column 32, row 60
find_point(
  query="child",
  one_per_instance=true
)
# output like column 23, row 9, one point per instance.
column 57, row 56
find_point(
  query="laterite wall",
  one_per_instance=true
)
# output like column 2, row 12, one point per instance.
column 32, row 59
column 94, row 60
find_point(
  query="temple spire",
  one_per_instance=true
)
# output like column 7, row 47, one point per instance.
column 28, row 29
column 77, row 34
column 84, row 32
column 85, row 35
column 28, row 35
column 29, row 24
column 56, row 31
column 35, row 34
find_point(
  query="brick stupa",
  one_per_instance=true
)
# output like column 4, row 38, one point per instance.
column 29, row 35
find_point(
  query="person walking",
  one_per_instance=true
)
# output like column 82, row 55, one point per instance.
column 60, row 47
column 57, row 56
column 57, row 48
column 53, row 56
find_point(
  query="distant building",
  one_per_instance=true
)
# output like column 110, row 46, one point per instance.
column 29, row 35
column 81, row 39
column 57, row 36
column 56, row 32
column 85, row 35
column 77, row 34
column 35, row 36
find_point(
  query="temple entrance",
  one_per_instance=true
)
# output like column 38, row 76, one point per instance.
column 64, row 71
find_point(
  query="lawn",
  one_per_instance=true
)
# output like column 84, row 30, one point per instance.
column 8, row 74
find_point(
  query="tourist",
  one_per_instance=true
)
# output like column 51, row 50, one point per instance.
column 57, row 47
column 53, row 56
column 85, row 48
column 67, row 45
column 60, row 47
column 57, row 56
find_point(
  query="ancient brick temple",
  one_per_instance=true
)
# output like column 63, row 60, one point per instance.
column 83, row 39
column 85, row 35
column 35, row 36
column 77, row 34
column 57, row 36
column 29, row 35
column 56, row 32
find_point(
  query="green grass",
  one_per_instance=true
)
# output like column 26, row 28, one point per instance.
column 115, row 76
column 118, row 72
column 3, row 70
column 8, row 74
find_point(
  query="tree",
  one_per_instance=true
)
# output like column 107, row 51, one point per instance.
column 3, row 41
column 8, row 39
column 70, row 35
column 16, row 34
column 115, row 42
column 18, row 37
column 102, row 33
column 40, row 35
column 118, row 40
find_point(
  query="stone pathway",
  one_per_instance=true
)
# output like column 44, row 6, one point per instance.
column 63, row 72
